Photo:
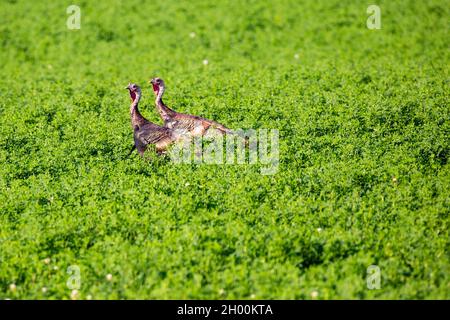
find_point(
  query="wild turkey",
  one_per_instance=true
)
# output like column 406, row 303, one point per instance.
column 183, row 123
column 146, row 132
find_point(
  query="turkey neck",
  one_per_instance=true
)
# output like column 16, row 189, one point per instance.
column 165, row 112
column 136, row 117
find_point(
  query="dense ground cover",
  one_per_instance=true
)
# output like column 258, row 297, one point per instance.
column 364, row 128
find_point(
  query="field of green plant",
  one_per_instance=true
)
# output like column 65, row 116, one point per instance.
column 363, row 178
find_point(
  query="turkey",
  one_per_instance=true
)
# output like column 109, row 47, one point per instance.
column 183, row 123
column 146, row 132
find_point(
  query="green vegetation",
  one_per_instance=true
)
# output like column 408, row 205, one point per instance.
column 363, row 180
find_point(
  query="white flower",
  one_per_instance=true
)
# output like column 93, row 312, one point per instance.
column 88, row 297
column 74, row 294
column 44, row 290
column 109, row 277
column 252, row 296
column 55, row 267
column 221, row 292
column 319, row 229
column 296, row 56
column 192, row 34
column 205, row 62
column 47, row 260
column 12, row 287
column 314, row 294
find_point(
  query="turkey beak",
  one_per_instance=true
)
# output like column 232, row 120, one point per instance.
column 128, row 86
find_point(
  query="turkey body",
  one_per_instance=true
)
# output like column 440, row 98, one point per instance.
column 150, row 133
column 185, row 124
